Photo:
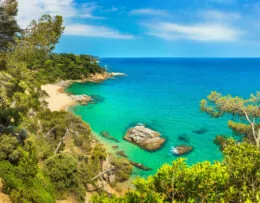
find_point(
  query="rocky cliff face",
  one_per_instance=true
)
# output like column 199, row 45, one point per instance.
column 144, row 137
column 99, row 77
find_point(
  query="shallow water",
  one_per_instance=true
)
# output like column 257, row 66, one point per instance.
column 165, row 94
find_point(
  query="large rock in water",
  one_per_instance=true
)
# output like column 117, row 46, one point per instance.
column 144, row 137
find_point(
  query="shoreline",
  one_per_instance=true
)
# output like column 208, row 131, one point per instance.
column 58, row 100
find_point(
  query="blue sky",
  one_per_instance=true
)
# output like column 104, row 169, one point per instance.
column 153, row 28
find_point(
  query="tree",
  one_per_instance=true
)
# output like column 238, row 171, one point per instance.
column 8, row 24
column 235, row 179
column 19, row 88
column 245, row 111
column 62, row 171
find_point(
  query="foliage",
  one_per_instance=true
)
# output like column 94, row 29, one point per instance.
column 24, row 181
column 10, row 149
column 236, row 179
column 245, row 110
column 67, row 67
column 221, row 141
column 123, row 169
column 62, row 171
column 8, row 24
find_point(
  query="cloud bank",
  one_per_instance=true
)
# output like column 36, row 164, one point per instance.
column 71, row 11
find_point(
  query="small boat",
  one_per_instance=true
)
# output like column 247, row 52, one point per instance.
column 182, row 149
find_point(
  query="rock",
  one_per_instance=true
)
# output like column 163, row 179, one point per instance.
column 98, row 77
column 82, row 99
column 140, row 166
column 145, row 138
column 115, row 147
column 90, row 188
column 182, row 149
column 200, row 131
column 183, row 137
column 121, row 153
column 108, row 136
column 97, row 98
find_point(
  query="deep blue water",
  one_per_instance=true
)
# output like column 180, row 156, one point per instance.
column 164, row 93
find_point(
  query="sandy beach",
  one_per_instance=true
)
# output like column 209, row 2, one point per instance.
column 57, row 100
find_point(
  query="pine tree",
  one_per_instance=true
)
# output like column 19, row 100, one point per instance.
column 8, row 24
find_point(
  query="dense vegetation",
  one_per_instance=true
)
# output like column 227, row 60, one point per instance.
column 47, row 155
column 235, row 179
column 44, row 155
column 65, row 67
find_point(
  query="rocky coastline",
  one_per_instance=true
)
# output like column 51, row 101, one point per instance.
column 57, row 99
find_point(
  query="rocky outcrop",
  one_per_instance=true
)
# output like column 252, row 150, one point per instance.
column 144, row 137
column 82, row 99
column 99, row 77
column 182, row 149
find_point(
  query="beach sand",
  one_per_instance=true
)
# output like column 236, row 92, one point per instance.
column 57, row 100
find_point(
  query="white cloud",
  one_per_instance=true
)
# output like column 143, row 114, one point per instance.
column 149, row 11
column 33, row 9
column 219, row 15
column 94, row 31
column 70, row 10
column 199, row 32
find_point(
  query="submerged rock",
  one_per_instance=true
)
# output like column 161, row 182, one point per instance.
column 82, row 99
column 144, row 137
column 200, row 131
column 121, row 153
column 183, row 137
column 97, row 98
column 140, row 166
column 115, row 147
column 108, row 136
column 182, row 149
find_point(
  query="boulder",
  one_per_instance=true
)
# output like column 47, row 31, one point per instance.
column 182, row 149
column 144, row 137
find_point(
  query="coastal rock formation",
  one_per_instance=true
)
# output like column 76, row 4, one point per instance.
column 99, row 77
column 182, row 149
column 144, row 137
column 82, row 99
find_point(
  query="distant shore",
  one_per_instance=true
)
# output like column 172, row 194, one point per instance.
column 58, row 100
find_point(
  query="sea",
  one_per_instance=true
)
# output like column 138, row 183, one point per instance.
column 164, row 94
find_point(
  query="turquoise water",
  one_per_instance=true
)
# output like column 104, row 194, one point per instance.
column 165, row 94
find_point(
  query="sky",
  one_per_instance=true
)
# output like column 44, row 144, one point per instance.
column 153, row 28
